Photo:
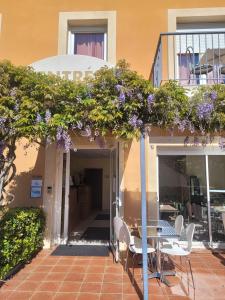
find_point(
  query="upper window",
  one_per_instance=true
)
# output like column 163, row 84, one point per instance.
column 89, row 41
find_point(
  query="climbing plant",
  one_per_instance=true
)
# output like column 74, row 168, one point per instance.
column 117, row 101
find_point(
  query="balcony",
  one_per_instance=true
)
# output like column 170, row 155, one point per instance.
column 191, row 58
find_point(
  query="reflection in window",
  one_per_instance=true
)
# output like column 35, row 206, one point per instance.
column 182, row 190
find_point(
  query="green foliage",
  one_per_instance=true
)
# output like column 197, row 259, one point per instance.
column 116, row 101
column 21, row 235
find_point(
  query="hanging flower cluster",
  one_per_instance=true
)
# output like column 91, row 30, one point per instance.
column 115, row 101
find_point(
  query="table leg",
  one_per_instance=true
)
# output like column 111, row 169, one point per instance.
column 158, row 274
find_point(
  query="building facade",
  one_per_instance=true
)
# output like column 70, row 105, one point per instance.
column 180, row 179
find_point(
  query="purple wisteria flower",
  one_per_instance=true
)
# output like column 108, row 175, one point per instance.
column 213, row 95
column 13, row 92
column 38, row 118
column 118, row 87
column 79, row 125
column 48, row 115
column 150, row 98
column 2, row 122
column 196, row 141
column 204, row 110
column 222, row 143
column 63, row 139
column 135, row 122
column 129, row 93
column 186, row 141
column 122, row 97
column 139, row 96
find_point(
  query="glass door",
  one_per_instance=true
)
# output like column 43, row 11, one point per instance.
column 114, row 197
column 65, row 197
column 216, row 167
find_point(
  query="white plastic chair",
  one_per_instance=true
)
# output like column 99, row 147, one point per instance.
column 134, row 245
column 179, row 226
column 118, row 224
column 176, row 250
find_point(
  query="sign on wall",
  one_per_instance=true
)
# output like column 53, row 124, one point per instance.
column 36, row 187
column 73, row 67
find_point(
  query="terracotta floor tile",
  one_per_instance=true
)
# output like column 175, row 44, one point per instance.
column 91, row 287
column 45, row 269
column 20, row 295
column 111, row 297
column 66, row 296
column 70, row 286
column 49, row 286
column 55, row 276
column 95, row 269
column 59, row 268
column 43, row 296
column 28, row 286
column 78, row 269
column 130, row 297
column 88, row 296
column 112, row 278
column 111, row 288
column 37, row 276
column 5, row 294
column 74, row 277
column 128, row 288
column 93, row 277
column 10, row 285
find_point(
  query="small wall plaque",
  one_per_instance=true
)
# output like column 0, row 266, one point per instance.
column 36, row 187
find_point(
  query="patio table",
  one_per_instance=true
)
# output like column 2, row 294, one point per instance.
column 158, row 230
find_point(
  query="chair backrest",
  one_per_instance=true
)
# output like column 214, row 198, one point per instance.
column 118, row 223
column 179, row 224
column 189, row 234
column 223, row 217
column 125, row 234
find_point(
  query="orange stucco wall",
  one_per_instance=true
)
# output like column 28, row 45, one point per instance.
column 30, row 28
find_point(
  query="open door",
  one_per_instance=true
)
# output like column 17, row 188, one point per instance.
column 114, row 197
column 65, row 197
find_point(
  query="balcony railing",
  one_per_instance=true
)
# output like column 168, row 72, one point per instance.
column 191, row 58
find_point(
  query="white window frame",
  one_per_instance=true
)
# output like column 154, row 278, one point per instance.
column 86, row 29
column 72, row 19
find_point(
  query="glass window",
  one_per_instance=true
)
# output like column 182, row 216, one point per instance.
column 91, row 44
column 90, row 41
column 182, row 190
column 217, row 196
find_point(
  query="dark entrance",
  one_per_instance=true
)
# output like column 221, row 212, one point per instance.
column 93, row 178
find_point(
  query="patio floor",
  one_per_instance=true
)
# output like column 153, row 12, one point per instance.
column 87, row 278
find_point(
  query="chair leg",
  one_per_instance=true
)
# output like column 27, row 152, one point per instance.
column 126, row 266
column 181, row 265
column 162, row 268
column 192, row 277
column 134, row 255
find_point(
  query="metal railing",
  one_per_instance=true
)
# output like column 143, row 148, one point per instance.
column 191, row 58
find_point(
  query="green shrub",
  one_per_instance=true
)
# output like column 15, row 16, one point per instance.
column 21, row 235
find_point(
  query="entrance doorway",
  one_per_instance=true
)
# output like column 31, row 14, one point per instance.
column 91, row 178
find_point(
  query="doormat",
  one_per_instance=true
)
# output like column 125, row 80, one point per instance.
column 81, row 250
column 96, row 233
column 102, row 217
